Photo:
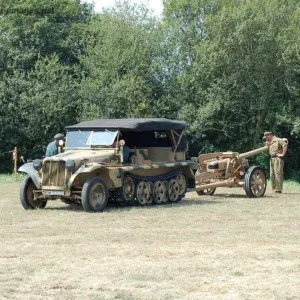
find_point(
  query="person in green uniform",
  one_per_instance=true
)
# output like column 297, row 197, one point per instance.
column 52, row 148
column 277, row 150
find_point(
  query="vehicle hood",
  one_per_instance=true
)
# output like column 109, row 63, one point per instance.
column 104, row 156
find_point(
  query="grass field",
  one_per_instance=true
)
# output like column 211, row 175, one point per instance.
column 224, row 246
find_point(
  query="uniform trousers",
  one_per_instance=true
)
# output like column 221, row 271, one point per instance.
column 276, row 173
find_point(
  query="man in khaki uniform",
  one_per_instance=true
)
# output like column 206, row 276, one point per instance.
column 277, row 149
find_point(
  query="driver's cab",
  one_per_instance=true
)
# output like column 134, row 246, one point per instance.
column 132, row 147
column 98, row 139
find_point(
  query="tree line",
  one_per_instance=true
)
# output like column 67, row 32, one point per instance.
column 230, row 69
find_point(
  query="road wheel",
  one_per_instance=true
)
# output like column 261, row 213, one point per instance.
column 255, row 182
column 151, row 190
column 209, row 192
column 174, row 191
column 143, row 192
column 128, row 189
column 160, row 192
column 166, row 184
column 181, row 180
column 27, row 196
column 94, row 195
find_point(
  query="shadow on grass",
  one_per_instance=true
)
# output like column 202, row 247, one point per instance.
column 201, row 200
column 289, row 193
column 188, row 201
column 241, row 196
column 113, row 206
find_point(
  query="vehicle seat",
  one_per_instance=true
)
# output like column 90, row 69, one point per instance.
column 139, row 156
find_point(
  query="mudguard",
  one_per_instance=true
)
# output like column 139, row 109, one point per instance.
column 28, row 169
column 85, row 169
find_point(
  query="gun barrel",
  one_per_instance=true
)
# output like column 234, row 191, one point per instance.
column 253, row 152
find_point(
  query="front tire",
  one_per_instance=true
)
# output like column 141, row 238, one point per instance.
column 94, row 195
column 27, row 196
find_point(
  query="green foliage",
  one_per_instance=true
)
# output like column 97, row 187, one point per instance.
column 38, row 73
column 241, row 72
column 26, row 36
column 119, row 73
column 39, row 105
column 230, row 69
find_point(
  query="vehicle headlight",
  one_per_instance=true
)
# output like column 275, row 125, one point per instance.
column 70, row 165
column 37, row 164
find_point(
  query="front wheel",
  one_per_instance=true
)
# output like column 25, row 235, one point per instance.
column 255, row 182
column 94, row 196
column 27, row 196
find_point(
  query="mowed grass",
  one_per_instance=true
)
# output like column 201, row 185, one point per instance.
column 10, row 178
column 224, row 246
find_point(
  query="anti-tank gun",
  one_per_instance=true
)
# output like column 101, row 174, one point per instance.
column 230, row 169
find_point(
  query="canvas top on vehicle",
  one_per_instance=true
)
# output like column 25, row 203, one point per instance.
column 146, row 124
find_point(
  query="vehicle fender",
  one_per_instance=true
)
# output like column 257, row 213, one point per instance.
column 28, row 169
column 89, row 169
column 188, row 171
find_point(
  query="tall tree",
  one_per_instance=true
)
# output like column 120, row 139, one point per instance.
column 40, row 43
column 33, row 28
column 120, row 64
column 234, row 82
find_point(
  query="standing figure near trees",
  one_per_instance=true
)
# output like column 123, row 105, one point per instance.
column 52, row 148
column 277, row 149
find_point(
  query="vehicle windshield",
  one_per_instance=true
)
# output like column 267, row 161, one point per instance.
column 89, row 138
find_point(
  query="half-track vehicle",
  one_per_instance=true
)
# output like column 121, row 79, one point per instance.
column 130, row 160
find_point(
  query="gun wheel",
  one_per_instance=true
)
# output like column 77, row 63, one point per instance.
column 128, row 188
column 174, row 191
column 142, row 192
column 255, row 182
column 209, row 192
column 160, row 192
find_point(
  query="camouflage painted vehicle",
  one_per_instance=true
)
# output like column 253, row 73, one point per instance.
column 92, row 170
